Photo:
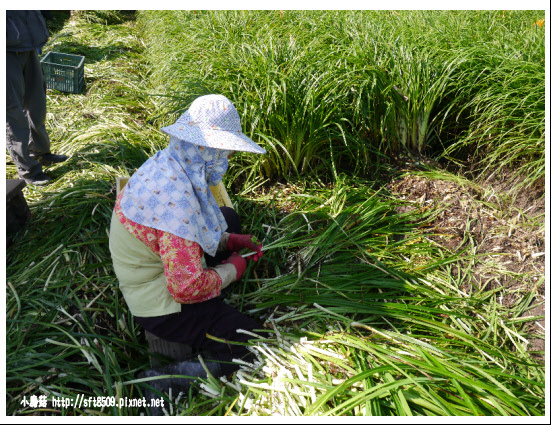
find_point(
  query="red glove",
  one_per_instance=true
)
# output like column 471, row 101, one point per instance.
column 238, row 262
column 237, row 242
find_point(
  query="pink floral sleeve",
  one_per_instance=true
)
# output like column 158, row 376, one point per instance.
column 186, row 280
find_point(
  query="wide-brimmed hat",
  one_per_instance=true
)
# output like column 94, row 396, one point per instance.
column 212, row 121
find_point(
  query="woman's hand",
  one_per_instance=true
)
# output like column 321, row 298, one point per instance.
column 238, row 262
column 237, row 242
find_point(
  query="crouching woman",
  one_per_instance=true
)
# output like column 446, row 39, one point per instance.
column 166, row 227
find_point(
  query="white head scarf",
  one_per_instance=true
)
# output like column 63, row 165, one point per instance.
column 170, row 192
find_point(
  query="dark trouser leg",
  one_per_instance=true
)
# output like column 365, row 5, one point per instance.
column 25, row 112
column 234, row 226
column 195, row 321
column 35, row 106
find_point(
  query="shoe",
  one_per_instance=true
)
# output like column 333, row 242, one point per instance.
column 40, row 179
column 190, row 368
column 50, row 158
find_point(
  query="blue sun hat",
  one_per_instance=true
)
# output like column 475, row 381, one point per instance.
column 212, row 121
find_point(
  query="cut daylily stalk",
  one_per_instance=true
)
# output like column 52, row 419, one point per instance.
column 272, row 245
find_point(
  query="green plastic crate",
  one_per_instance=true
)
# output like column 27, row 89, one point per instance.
column 63, row 72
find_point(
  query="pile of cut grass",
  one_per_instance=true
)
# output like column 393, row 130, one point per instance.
column 362, row 314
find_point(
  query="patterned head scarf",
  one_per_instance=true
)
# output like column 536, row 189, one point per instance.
column 170, row 192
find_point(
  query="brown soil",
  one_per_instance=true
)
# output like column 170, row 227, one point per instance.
column 503, row 227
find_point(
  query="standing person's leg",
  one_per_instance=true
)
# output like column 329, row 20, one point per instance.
column 18, row 132
column 35, row 106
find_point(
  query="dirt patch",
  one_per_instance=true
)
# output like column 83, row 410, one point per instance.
column 504, row 228
column 510, row 230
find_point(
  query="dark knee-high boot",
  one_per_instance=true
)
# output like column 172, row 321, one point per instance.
column 183, row 375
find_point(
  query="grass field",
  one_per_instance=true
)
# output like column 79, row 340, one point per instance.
column 356, row 86
column 400, row 205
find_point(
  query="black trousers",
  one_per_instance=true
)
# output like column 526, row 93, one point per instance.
column 213, row 317
column 234, row 226
column 26, row 133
